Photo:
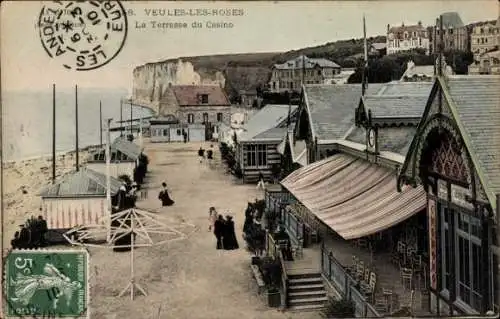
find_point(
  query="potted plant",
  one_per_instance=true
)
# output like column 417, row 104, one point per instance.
column 271, row 271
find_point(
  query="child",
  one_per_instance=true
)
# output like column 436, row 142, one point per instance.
column 212, row 217
column 261, row 184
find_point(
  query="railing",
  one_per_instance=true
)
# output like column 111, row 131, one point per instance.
column 284, row 281
column 273, row 251
column 294, row 227
column 345, row 285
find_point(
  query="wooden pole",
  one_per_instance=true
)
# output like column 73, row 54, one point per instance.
column 76, row 128
column 121, row 117
column 53, row 133
column 364, row 79
column 441, row 46
column 131, row 119
column 108, row 177
column 100, row 123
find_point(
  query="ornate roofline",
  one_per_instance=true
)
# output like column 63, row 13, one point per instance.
column 440, row 83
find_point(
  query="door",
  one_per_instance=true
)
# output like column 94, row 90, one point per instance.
column 196, row 134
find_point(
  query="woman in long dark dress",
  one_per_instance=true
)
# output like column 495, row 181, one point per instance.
column 164, row 197
column 229, row 240
column 219, row 230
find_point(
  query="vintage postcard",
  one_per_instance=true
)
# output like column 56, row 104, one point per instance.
column 239, row 159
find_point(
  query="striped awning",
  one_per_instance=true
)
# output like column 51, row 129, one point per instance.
column 352, row 196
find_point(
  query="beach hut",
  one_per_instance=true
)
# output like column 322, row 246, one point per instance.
column 166, row 129
column 78, row 198
column 125, row 157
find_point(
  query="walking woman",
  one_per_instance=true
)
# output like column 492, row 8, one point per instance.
column 219, row 230
column 229, row 240
column 212, row 217
column 164, row 197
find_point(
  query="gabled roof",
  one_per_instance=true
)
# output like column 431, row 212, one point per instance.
column 331, row 108
column 395, row 106
column 189, row 95
column 396, row 102
column 308, row 62
column 132, row 150
column 269, row 117
column 474, row 102
column 452, row 20
column 84, row 183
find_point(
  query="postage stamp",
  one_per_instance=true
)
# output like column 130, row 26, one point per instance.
column 48, row 283
column 83, row 35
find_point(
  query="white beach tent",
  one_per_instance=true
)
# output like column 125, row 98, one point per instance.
column 78, row 198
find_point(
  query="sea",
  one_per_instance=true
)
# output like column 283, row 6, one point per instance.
column 27, row 120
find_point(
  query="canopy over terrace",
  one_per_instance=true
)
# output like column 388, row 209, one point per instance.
column 352, row 196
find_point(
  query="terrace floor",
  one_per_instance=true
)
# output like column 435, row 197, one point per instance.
column 388, row 275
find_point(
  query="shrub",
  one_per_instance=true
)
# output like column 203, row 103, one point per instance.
column 342, row 308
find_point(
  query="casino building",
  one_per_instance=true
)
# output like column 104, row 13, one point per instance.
column 455, row 156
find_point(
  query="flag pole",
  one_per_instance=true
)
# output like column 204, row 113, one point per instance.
column 108, row 178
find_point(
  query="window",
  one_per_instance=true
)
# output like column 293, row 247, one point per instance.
column 165, row 132
column 190, row 118
column 204, row 98
column 219, row 117
column 205, row 118
column 445, row 248
column 179, row 132
column 468, row 266
column 319, row 72
column 256, row 155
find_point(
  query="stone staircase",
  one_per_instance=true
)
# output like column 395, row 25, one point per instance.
column 306, row 292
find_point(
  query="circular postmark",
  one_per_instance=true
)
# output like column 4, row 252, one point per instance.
column 83, row 35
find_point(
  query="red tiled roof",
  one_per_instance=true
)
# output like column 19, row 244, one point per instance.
column 189, row 95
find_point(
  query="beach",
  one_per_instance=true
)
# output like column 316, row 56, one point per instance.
column 24, row 179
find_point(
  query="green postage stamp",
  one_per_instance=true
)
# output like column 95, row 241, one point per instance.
column 46, row 283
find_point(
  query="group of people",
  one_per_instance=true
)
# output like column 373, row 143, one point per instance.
column 209, row 155
column 32, row 234
column 223, row 230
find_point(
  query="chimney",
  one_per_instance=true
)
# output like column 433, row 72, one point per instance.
column 419, row 23
column 388, row 27
column 402, row 24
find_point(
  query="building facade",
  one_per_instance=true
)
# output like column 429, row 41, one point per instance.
column 256, row 146
column 407, row 37
column 289, row 76
column 484, row 38
column 454, row 155
column 487, row 63
column 455, row 33
column 196, row 104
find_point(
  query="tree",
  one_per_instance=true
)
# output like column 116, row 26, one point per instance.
column 459, row 60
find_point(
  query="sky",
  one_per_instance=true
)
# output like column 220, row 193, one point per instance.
column 258, row 27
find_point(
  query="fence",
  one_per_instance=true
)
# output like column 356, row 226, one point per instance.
column 345, row 285
column 274, row 251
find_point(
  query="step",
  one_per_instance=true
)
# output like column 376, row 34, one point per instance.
column 305, row 308
column 303, row 275
column 299, row 281
column 307, row 294
column 306, row 287
column 308, row 301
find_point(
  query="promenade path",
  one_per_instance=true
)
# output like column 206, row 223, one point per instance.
column 187, row 279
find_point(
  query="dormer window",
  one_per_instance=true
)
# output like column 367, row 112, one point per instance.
column 203, row 98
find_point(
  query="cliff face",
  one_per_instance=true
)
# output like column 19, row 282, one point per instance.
column 151, row 81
